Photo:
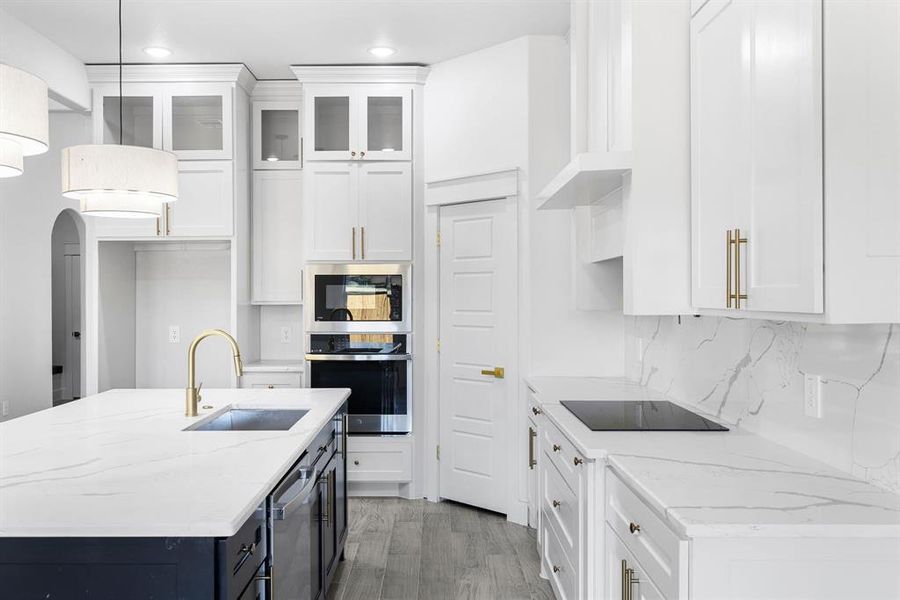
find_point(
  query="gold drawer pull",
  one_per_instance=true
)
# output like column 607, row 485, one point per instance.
column 497, row 372
column 557, row 504
column 556, row 569
column 634, row 527
column 577, row 461
column 557, row 447
column 532, row 461
column 536, row 410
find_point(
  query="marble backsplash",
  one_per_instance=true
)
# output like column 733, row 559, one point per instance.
column 751, row 373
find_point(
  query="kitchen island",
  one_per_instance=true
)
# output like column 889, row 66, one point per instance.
column 112, row 494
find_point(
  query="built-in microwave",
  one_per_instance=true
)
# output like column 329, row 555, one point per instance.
column 358, row 298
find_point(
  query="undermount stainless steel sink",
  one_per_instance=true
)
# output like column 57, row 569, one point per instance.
column 250, row 419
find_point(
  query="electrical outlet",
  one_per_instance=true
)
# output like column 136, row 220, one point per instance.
column 285, row 335
column 4, row 408
column 812, row 395
column 174, row 334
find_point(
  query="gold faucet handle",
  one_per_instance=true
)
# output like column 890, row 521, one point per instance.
column 199, row 387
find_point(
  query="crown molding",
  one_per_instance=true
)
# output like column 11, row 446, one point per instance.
column 415, row 74
column 237, row 73
column 472, row 188
column 285, row 90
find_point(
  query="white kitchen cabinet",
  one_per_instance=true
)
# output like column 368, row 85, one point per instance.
column 375, row 459
column 358, row 211
column 277, row 237
column 756, row 107
column 358, row 122
column 205, row 205
column 141, row 115
column 197, row 120
column 532, row 476
column 270, row 381
column 276, row 135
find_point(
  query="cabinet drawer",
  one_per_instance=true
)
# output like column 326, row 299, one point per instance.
column 558, row 450
column 378, row 460
column 270, row 380
column 560, row 504
column 660, row 552
column 241, row 555
column 557, row 566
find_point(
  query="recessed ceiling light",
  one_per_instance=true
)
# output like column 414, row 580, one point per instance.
column 381, row 51
column 157, row 51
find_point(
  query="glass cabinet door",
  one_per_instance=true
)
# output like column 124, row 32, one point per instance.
column 141, row 115
column 276, row 135
column 197, row 121
column 385, row 125
column 331, row 125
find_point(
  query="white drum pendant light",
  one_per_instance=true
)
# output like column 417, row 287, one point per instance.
column 24, row 123
column 118, row 180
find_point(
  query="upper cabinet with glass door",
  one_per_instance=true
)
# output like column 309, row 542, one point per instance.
column 141, row 115
column 197, row 120
column 276, row 135
column 358, row 122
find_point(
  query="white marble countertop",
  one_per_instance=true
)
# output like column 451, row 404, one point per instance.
column 722, row 484
column 118, row 464
column 274, row 366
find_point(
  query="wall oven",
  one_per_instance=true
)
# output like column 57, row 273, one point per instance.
column 361, row 298
column 376, row 367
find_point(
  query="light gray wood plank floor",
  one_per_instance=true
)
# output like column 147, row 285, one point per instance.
column 414, row 549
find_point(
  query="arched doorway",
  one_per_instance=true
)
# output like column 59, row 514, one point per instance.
column 67, row 275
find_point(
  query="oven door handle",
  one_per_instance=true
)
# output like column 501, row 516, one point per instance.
column 360, row 357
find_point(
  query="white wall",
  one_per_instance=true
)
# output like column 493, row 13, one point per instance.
column 116, row 323
column 29, row 205
column 271, row 320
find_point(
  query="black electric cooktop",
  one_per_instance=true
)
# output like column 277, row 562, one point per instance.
column 646, row 415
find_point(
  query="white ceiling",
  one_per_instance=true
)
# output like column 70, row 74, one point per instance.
column 269, row 35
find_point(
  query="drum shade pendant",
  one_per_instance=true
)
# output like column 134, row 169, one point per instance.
column 117, row 180
column 24, row 123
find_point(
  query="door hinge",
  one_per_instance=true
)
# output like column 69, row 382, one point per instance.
column 437, row 451
column 438, row 345
column 437, row 239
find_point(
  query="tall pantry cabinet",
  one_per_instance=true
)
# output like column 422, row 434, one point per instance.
column 794, row 190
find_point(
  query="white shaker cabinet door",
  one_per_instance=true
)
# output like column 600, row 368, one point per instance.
column 385, row 211
column 783, row 219
column 720, row 142
column 277, row 237
column 205, row 205
column 331, row 199
column 756, row 121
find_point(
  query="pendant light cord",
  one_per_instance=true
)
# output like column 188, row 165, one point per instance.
column 121, row 99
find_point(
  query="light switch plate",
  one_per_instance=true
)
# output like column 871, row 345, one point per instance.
column 812, row 395
column 285, row 335
column 174, row 334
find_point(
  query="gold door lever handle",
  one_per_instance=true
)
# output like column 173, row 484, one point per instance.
column 498, row 372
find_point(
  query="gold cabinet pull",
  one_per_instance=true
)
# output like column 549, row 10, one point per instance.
column 531, row 435
column 168, row 220
column 729, row 244
column 326, row 509
column 353, row 153
column 496, row 372
column 738, row 296
column 634, row 527
column 536, row 410
column 577, row 461
column 557, row 569
column 557, row 447
column 628, row 580
column 362, row 242
column 353, row 241
column 557, row 504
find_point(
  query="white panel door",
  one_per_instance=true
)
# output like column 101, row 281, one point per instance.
column 385, row 211
column 277, row 237
column 72, row 373
column 720, row 141
column 783, row 218
column 331, row 207
column 205, row 205
column 478, row 334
